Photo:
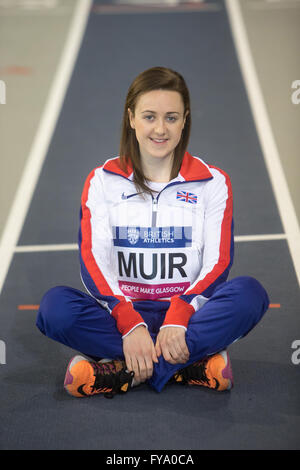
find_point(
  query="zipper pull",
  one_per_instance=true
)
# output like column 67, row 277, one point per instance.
column 154, row 212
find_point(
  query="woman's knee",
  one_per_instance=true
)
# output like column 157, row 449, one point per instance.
column 250, row 298
column 53, row 311
column 251, row 289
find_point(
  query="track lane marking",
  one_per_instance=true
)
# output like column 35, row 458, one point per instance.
column 35, row 160
column 74, row 246
column 36, row 307
column 264, row 130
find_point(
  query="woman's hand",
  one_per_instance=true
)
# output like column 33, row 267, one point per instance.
column 139, row 352
column 170, row 342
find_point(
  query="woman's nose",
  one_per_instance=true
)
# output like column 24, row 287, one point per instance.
column 160, row 127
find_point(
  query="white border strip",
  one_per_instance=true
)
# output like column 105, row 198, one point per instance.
column 43, row 136
column 263, row 127
column 74, row 246
column 40, row 248
column 260, row 238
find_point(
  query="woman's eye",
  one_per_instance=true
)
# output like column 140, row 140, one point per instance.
column 151, row 118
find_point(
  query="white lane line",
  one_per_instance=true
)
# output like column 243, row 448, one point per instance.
column 260, row 238
column 40, row 248
column 43, row 136
column 74, row 246
column 265, row 134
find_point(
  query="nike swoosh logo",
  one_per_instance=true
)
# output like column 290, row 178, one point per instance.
column 124, row 196
column 81, row 391
column 217, row 384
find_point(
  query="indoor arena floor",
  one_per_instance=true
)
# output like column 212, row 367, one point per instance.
column 66, row 82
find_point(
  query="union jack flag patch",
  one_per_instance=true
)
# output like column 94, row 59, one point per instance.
column 186, row 197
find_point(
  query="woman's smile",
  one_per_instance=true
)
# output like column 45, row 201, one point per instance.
column 158, row 141
column 158, row 118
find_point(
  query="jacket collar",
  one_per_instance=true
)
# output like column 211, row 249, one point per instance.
column 192, row 169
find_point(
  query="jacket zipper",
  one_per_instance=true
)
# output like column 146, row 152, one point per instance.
column 155, row 203
column 155, row 199
column 154, row 211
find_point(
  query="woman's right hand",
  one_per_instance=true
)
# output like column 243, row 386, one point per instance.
column 139, row 352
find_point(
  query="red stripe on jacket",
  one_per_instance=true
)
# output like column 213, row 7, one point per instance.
column 125, row 315
column 86, row 242
column 225, row 244
column 180, row 312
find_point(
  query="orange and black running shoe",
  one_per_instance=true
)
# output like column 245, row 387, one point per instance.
column 214, row 372
column 85, row 378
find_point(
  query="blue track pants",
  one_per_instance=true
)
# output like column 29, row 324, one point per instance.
column 76, row 319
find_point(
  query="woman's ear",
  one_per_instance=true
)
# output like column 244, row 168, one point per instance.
column 131, row 118
column 184, row 119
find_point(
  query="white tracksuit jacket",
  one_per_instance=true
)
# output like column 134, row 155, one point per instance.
column 176, row 246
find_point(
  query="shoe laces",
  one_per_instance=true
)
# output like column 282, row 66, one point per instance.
column 195, row 373
column 108, row 379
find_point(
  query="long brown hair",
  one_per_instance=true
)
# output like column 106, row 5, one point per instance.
column 155, row 78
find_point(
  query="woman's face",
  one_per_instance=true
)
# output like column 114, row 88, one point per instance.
column 158, row 122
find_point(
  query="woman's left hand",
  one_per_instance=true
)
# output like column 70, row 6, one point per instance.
column 170, row 342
